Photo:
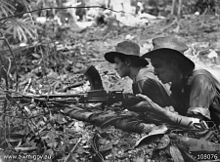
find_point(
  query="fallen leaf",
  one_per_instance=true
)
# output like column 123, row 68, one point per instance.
column 157, row 131
column 176, row 154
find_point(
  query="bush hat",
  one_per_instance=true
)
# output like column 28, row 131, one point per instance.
column 126, row 49
column 185, row 64
column 169, row 42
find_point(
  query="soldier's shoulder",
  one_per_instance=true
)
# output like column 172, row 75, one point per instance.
column 201, row 75
column 146, row 73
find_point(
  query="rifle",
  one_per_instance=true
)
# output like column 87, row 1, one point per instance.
column 96, row 94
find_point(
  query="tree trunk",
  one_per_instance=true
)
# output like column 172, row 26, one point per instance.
column 176, row 8
column 179, row 9
column 173, row 7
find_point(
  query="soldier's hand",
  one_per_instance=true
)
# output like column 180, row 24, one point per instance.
column 149, row 105
column 144, row 97
column 140, row 103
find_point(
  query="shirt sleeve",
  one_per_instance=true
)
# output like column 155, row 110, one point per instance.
column 155, row 91
column 201, row 96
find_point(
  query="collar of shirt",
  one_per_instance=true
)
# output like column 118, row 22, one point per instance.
column 143, row 74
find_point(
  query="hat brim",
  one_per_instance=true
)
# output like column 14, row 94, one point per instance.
column 109, row 56
column 185, row 63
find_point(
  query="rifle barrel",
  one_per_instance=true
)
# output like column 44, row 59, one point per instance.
column 49, row 96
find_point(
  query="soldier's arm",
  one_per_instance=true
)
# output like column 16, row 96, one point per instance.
column 201, row 96
column 155, row 91
column 149, row 106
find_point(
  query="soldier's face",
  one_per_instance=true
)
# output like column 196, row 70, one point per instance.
column 163, row 69
column 121, row 67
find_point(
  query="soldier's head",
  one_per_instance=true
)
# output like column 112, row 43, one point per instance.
column 170, row 65
column 125, row 57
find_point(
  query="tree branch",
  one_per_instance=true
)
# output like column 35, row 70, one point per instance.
column 59, row 8
column 13, row 55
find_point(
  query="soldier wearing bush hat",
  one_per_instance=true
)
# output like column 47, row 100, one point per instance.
column 128, row 62
column 194, row 93
column 127, row 49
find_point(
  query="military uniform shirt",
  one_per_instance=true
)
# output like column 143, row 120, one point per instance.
column 148, row 84
column 199, row 96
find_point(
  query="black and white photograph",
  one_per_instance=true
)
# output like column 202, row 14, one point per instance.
column 109, row 81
